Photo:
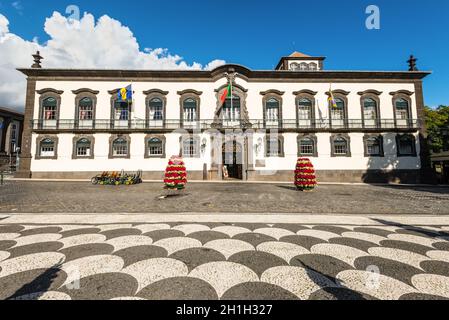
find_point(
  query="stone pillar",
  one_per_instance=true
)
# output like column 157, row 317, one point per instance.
column 427, row 173
column 26, row 156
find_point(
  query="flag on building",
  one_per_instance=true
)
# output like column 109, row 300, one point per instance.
column 125, row 94
column 227, row 93
column 332, row 101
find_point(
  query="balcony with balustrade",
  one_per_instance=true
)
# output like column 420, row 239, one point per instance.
column 168, row 125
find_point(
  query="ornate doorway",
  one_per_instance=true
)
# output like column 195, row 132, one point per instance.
column 232, row 160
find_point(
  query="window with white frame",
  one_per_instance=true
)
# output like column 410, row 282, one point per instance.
column 190, row 148
column 373, row 146
column 231, row 109
column 86, row 109
column 340, row 146
column 120, row 147
column 49, row 108
column 190, row 107
column 47, row 148
column 121, row 110
column 338, row 112
column 369, row 109
column 307, row 147
column 304, row 109
column 272, row 110
column 156, row 109
column 83, row 148
column 155, row 147
column 313, row 66
column 402, row 109
column 274, row 147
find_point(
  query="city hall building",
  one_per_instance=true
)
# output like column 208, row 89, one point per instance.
column 355, row 126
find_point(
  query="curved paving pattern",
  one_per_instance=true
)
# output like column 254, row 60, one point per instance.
column 223, row 261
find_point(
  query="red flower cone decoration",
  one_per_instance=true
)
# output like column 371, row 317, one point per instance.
column 175, row 174
column 305, row 179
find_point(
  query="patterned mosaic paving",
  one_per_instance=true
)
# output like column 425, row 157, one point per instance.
column 223, row 261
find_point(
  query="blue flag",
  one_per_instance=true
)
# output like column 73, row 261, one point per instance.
column 125, row 94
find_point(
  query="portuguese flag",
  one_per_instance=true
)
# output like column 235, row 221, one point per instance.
column 226, row 94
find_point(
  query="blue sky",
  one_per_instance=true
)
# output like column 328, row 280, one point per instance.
column 256, row 33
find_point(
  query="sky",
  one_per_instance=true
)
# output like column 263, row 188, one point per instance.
column 203, row 34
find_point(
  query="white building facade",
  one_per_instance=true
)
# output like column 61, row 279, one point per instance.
column 75, row 127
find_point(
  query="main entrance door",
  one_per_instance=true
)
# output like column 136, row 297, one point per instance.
column 232, row 160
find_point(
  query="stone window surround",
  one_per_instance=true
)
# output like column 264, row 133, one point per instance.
column 314, row 138
column 414, row 153
column 348, row 142
column 162, row 138
column 39, row 139
column 49, row 93
column 402, row 94
column 272, row 94
column 152, row 94
column 371, row 94
column 114, row 137
column 343, row 95
column 85, row 93
column 190, row 94
column 197, row 140
column 239, row 91
column 92, row 146
column 381, row 144
column 280, row 139
column 305, row 94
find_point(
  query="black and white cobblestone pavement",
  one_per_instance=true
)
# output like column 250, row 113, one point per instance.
column 223, row 257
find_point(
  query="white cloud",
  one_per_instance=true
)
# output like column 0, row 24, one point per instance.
column 86, row 43
column 17, row 5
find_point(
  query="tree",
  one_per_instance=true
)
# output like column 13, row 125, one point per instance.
column 305, row 179
column 175, row 174
column 437, row 120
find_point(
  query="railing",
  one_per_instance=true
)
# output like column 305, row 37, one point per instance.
column 137, row 124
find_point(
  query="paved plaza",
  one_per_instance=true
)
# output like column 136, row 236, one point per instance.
column 303, row 257
column 82, row 197
column 72, row 240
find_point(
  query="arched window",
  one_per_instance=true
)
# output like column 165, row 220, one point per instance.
column 373, row 146
column 231, row 109
column 406, row 145
column 190, row 148
column 402, row 112
column 155, row 147
column 294, row 66
column 305, row 109
column 306, row 147
column 338, row 111
column 369, row 109
column 121, row 110
column 190, row 110
column 120, row 147
column 49, row 108
column 83, row 148
column 313, row 66
column 47, row 148
column 303, row 66
column 340, row 147
column 85, row 109
column 274, row 147
column 156, row 109
column 272, row 110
